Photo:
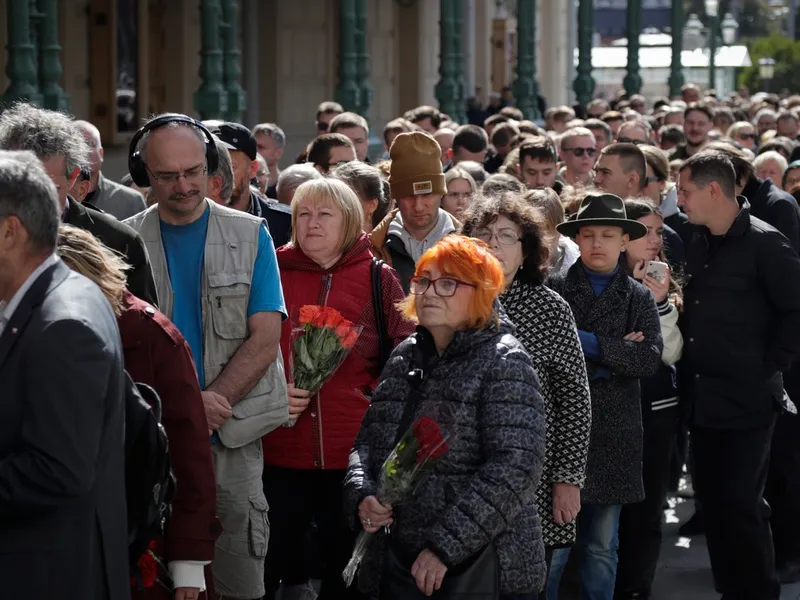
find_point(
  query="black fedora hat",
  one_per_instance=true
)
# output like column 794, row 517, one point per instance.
column 603, row 209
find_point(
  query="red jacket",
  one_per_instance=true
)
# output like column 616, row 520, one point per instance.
column 324, row 434
column 156, row 354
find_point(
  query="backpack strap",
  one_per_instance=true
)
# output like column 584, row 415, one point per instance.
column 376, row 272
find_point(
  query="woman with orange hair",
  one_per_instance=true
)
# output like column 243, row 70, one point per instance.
column 465, row 369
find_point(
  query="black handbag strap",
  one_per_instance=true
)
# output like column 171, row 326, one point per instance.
column 421, row 354
column 377, row 307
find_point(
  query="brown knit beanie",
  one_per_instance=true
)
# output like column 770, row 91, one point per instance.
column 416, row 166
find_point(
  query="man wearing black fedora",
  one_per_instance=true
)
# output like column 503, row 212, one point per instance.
column 620, row 333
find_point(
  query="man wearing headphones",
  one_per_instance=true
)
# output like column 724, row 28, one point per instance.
column 216, row 272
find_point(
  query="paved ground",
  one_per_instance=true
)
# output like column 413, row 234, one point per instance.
column 684, row 572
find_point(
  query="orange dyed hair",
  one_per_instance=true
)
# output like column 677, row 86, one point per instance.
column 469, row 260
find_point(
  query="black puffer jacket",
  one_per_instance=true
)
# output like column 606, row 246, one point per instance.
column 484, row 393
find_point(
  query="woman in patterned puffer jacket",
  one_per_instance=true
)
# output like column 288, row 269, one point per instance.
column 479, row 384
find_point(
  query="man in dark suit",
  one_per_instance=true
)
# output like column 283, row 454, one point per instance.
column 58, row 142
column 63, row 530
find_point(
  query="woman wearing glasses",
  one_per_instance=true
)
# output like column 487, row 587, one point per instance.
column 515, row 232
column 465, row 369
column 744, row 133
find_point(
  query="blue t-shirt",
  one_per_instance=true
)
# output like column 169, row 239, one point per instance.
column 184, row 247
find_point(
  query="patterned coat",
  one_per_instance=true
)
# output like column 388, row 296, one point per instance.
column 614, row 466
column 484, row 393
column 546, row 328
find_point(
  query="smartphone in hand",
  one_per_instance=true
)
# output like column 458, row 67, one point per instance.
column 657, row 270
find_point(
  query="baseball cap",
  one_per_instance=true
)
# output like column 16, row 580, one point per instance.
column 237, row 137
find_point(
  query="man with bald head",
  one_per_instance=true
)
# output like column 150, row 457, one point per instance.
column 109, row 196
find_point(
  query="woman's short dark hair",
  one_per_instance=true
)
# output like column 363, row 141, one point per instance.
column 535, row 246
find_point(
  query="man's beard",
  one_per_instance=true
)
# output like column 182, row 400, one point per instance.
column 241, row 189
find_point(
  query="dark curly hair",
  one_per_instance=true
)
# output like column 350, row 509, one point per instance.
column 535, row 246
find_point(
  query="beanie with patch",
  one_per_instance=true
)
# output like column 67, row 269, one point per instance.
column 416, row 166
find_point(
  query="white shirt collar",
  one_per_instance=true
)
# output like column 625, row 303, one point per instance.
column 7, row 309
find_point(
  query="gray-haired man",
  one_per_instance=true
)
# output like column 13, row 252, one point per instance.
column 62, row 464
column 271, row 143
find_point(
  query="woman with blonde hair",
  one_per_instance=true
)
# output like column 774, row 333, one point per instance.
column 472, row 521
column 461, row 191
column 328, row 262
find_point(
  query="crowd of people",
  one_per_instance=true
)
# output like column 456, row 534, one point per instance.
column 589, row 309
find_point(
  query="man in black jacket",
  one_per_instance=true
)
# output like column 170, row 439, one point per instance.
column 59, row 144
column 767, row 201
column 741, row 330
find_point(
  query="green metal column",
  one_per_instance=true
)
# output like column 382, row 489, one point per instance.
column 633, row 27
column 211, row 98
column 676, row 66
column 450, row 89
column 55, row 98
column 232, row 61
column 362, row 62
column 21, row 66
column 348, row 92
column 584, row 83
column 525, row 88
column 713, row 30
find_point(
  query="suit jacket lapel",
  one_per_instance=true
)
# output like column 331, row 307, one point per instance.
column 32, row 299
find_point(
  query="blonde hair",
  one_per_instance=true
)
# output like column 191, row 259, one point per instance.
column 573, row 133
column 459, row 173
column 85, row 254
column 336, row 193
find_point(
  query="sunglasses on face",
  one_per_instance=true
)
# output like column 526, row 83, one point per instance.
column 627, row 140
column 321, row 126
column 748, row 136
column 579, row 152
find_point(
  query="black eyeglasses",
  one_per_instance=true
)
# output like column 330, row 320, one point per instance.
column 627, row 140
column 748, row 136
column 579, row 152
column 443, row 286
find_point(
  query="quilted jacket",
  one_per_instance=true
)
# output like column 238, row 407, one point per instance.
column 484, row 393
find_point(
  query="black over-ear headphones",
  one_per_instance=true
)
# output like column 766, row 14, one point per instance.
column 136, row 166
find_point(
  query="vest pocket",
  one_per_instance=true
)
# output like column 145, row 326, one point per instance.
column 228, row 295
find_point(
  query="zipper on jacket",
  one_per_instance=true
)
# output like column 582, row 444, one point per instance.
column 325, row 291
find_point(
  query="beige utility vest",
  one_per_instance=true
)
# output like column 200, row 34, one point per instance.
column 230, row 256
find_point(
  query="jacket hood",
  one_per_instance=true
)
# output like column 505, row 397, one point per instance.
column 292, row 257
column 380, row 233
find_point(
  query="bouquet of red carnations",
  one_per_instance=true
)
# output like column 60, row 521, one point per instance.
column 415, row 454
column 321, row 339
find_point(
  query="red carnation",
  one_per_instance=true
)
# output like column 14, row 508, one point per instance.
column 148, row 568
column 430, row 439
